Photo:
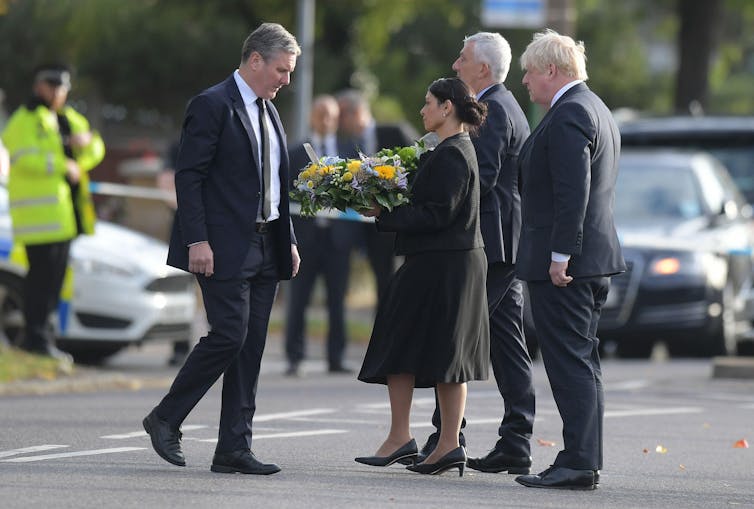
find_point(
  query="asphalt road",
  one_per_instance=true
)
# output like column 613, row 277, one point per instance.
column 670, row 431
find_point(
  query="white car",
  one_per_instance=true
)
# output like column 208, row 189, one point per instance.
column 123, row 292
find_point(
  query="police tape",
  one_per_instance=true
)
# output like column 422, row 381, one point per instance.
column 151, row 193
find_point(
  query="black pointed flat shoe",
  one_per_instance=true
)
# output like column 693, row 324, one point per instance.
column 406, row 453
column 454, row 459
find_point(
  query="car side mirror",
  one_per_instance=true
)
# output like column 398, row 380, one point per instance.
column 728, row 212
column 730, row 209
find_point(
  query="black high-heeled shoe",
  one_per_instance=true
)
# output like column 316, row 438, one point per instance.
column 454, row 459
column 407, row 452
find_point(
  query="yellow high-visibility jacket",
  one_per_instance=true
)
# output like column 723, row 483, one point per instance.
column 41, row 206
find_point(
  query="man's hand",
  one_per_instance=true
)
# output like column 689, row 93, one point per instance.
column 296, row 259
column 558, row 274
column 201, row 259
column 72, row 171
column 81, row 139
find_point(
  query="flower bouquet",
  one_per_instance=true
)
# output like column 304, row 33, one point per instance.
column 336, row 183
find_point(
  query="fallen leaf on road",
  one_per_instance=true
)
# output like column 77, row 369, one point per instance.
column 545, row 443
column 660, row 449
column 682, row 466
column 741, row 444
column 645, row 450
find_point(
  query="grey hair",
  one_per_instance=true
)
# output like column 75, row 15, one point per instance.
column 352, row 99
column 492, row 49
column 549, row 47
column 267, row 40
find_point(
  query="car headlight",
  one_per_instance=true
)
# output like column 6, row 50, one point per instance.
column 91, row 266
column 707, row 265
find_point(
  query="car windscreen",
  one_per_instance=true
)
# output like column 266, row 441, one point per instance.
column 734, row 150
column 740, row 163
column 647, row 193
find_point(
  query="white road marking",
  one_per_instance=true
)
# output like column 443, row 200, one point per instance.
column 292, row 434
column 289, row 415
column 34, row 448
column 627, row 385
column 134, row 434
column 333, row 419
column 94, row 452
column 653, row 411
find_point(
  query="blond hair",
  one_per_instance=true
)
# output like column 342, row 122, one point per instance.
column 549, row 47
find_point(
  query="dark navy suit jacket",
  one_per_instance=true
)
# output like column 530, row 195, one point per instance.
column 497, row 146
column 218, row 186
column 569, row 166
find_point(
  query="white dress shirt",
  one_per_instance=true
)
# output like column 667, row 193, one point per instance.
column 325, row 146
column 249, row 101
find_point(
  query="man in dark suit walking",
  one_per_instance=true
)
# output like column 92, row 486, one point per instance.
column 365, row 135
column 483, row 64
column 326, row 244
column 569, row 247
column 233, row 231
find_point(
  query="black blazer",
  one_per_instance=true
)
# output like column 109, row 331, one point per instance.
column 569, row 166
column 497, row 147
column 218, row 186
column 444, row 211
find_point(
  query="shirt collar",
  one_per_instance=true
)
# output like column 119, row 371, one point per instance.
column 565, row 88
column 247, row 94
column 483, row 91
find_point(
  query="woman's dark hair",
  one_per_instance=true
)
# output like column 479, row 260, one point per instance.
column 468, row 110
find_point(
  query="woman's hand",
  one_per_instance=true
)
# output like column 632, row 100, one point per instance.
column 373, row 212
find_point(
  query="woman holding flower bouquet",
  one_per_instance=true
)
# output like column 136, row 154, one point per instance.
column 432, row 328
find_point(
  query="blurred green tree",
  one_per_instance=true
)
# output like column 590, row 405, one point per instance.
column 140, row 61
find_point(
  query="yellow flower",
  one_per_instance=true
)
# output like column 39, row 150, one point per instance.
column 310, row 184
column 347, row 176
column 354, row 165
column 385, row 172
column 306, row 174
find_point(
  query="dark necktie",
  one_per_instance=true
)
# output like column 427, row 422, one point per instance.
column 264, row 136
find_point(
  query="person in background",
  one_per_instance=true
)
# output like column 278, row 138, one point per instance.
column 363, row 134
column 326, row 244
column 233, row 231
column 166, row 182
column 52, row 149
column 569, row 247
column 431, row 328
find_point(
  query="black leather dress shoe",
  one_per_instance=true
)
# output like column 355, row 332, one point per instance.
column 166, row 441
column 497, row 461
column 243, row 462
column 405, row 453
column 596, row 478
column 560, row 478
column 293, row 370
column 339, row 369
column 454, row 459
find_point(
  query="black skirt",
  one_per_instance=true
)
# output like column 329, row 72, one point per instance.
column 433, row 322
